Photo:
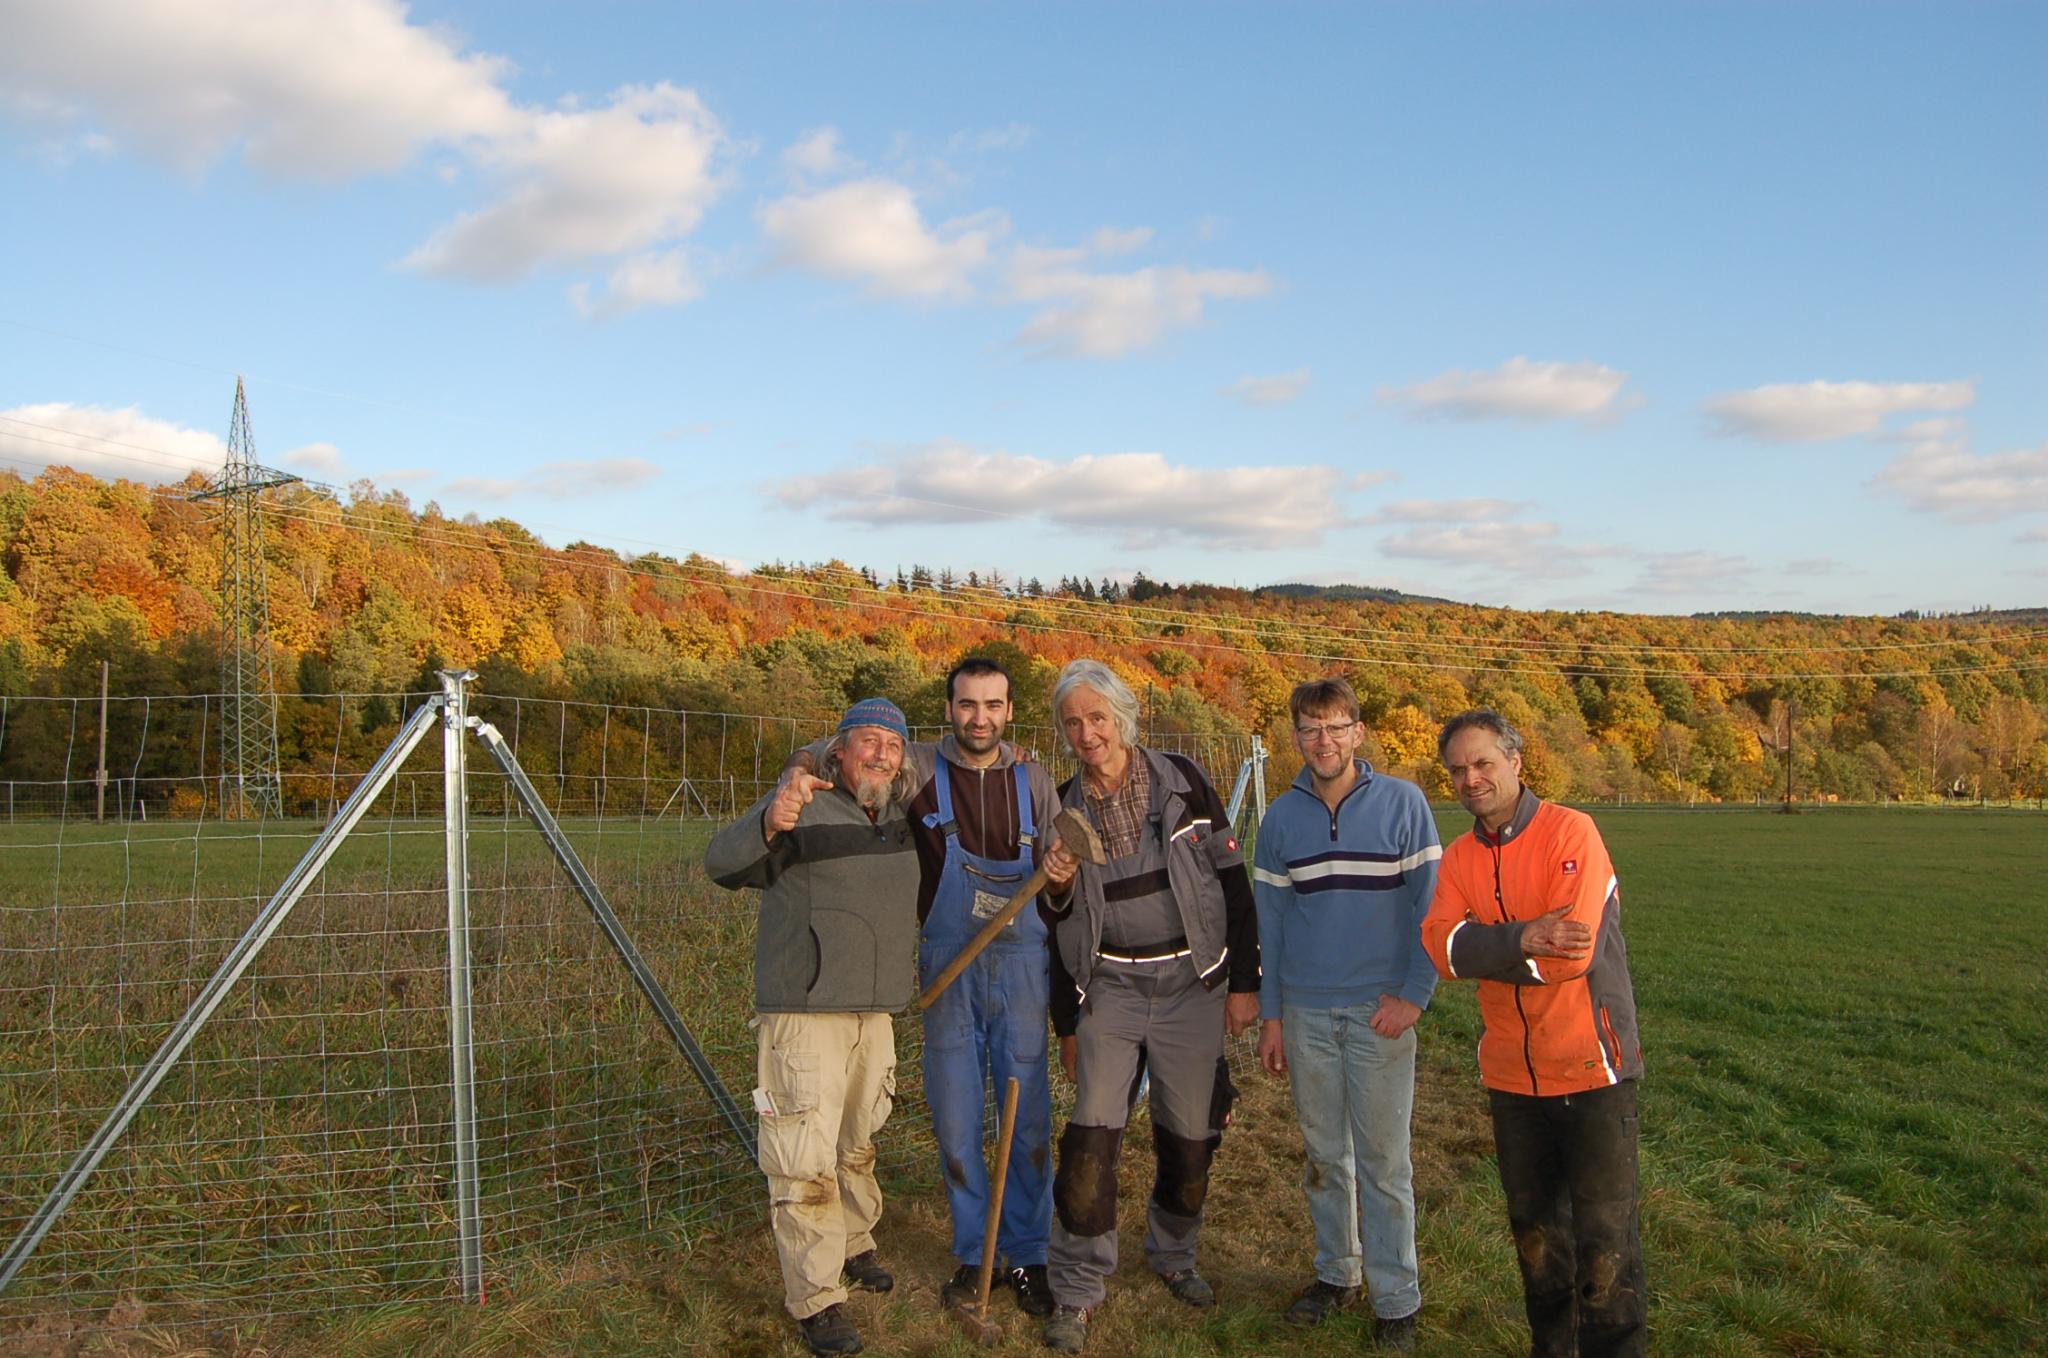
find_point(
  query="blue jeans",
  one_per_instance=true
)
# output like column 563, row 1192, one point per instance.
column 1354, row 1092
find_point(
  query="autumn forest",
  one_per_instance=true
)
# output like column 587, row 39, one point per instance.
column 370, row 595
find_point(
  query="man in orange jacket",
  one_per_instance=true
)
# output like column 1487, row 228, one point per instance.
column 1527, row 904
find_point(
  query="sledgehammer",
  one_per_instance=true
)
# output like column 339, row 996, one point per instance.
column 974, row 1317
column 1080, row 840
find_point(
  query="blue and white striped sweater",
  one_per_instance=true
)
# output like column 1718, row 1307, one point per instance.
column 1341, row 899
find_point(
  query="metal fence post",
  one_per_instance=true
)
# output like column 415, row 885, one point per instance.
column 1259, row 777
column 461, row 1040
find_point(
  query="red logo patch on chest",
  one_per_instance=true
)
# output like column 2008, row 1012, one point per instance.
column 1231, row 843
column 1571, row 865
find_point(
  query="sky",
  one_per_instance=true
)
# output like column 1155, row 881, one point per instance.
column 1660, row 309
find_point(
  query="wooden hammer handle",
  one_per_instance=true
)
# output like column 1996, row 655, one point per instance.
column 1033, row 884
column 1007, row 1130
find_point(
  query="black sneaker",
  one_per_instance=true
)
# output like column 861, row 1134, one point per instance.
column 1034, row 1293
column 830, row 1332
column 963, row 1288
column 1397, row 1334
column 864, row 1273
column 1319, row 1301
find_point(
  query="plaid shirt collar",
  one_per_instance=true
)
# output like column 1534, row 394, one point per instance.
column 1121, row 816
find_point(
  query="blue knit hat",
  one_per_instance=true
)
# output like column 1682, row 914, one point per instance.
column 876, row 712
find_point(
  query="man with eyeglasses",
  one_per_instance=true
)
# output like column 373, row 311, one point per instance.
column 1343, row 873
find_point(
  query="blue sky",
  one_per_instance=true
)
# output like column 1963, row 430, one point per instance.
column 1652, row 308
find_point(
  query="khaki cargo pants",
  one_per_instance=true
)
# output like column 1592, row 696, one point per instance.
column 827, row 1082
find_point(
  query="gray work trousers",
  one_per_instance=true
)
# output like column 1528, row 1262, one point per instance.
column 1163, row 1010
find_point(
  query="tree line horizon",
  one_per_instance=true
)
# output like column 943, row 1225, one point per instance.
column 370, row 596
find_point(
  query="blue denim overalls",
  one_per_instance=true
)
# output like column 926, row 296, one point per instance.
column 993, row 1018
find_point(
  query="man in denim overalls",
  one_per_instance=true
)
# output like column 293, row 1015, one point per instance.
column 980, row 819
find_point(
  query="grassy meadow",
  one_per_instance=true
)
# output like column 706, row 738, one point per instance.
column 1844, row 1144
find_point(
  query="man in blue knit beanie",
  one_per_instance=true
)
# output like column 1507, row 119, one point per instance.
column 834, row 956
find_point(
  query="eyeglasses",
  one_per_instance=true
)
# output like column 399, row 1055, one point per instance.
column 1334, row 730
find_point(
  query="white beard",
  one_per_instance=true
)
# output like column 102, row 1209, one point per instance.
column 872, row 792
column 871, row 787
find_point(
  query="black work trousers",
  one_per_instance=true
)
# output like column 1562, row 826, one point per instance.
column 1568, row 1167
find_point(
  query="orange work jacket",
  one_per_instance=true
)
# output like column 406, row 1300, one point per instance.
column 1553, row 1025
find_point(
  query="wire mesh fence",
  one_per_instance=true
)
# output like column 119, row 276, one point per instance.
column 298, row 1157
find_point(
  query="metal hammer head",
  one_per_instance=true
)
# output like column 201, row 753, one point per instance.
column 979, row 1327
column 1079, row 836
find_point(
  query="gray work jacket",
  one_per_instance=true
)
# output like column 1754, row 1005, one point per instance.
column 1204, row 866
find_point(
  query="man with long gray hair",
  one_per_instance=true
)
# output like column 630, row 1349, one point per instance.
column 1528, row 904
column 834, row 957
column 1143, row 951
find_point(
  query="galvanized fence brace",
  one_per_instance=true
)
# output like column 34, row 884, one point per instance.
column 450, row 710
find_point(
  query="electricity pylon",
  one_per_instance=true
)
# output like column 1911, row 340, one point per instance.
column 248, row 678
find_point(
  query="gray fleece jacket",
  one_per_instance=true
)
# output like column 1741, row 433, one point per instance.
column 838, row 929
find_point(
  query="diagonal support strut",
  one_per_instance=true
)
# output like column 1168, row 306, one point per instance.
column 586, row 885
column 237, row 961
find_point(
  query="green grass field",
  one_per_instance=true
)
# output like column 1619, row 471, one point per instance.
column 1844, row 1147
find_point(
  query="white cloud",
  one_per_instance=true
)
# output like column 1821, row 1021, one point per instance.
column 107, row 443
column 1939, row 474
column 817, row 153
column 1686, row 572
column 1445, row 511
column 1107, row 315
column 1807, row 412
column 1110, row 240
column 1475, row 543
column 327, row 91
column 1483, row 535
column 320, row 461
column 1276, row 390
column 1815, row 565
column 871, row 230
column 557, row 480
column 1521, row 388
column 1141, row 497
column 659, row 279
column 2036, row 534
column 584, row 184
column 345, row 88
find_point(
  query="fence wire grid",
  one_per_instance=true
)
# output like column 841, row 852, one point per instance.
column 299, row 1157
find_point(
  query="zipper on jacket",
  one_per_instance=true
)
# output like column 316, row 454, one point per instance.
column 1528, row 1059
column 1355, row 788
